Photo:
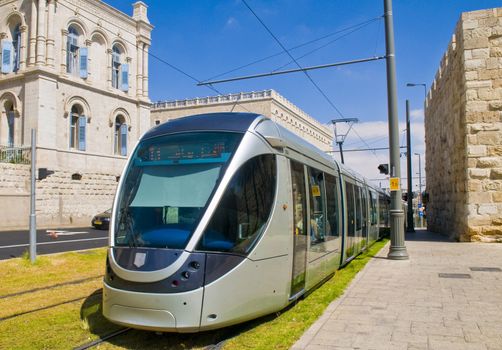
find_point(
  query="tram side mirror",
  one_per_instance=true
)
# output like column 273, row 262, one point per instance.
column 44, row 172
column 244, row 229
column 384, row 169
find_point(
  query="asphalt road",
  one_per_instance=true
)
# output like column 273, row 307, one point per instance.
column 14, row 243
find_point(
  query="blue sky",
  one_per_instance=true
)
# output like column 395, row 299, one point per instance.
column 207, row 37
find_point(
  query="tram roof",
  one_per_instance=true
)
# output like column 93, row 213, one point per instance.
column 222, row 121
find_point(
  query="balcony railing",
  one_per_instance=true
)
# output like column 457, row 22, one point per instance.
column 15, row 154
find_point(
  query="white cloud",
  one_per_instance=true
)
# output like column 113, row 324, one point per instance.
column 232, row 22
column 417, row 114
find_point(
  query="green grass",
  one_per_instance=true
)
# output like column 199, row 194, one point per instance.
column 68, row 325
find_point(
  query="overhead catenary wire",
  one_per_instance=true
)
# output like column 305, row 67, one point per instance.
column 299, row 66
column 296, row 62
column 293, row 48
column 330, row 42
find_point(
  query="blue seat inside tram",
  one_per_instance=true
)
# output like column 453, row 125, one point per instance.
column 170, row 235
column 216, row 241
column 165, row 229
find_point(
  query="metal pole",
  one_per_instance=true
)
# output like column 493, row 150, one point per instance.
column 33, row 218
column 397, row 248
column 341, row 151
column 411, row 226
column 420, row 204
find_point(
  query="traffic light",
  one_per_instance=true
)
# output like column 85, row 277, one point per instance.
column 384, row 168
column 44, row 172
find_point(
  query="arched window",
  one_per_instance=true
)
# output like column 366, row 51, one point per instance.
column 11, row 123
column 76, row 56
column 120, row 136
column 11, row 49
column 120, row 69
column 77, row 127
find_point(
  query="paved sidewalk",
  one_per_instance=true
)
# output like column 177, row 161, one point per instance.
column 406, row 305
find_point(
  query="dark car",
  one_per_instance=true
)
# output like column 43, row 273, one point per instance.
column 102, row 221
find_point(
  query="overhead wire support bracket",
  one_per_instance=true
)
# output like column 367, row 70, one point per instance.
column 245, row 77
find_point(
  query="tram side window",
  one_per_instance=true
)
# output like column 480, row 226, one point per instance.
column 244, row 209
column 364, row 207
column 358, row 208
column 373, row 215
column 317, row 212
column 331, row 207
column 349, row 191
column 299, row 200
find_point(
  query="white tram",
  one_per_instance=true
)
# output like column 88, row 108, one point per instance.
column 221, row 218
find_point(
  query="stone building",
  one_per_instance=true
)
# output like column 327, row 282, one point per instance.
column 268, row 103
column 77, row 72
column 463, row 132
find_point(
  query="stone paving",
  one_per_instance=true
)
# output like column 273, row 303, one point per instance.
column 406, row 305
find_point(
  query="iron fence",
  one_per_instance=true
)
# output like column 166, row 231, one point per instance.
column 15, row 154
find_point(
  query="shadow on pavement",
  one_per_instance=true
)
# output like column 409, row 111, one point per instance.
column 426, row 236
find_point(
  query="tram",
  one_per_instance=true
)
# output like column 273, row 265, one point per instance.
column 224, row 217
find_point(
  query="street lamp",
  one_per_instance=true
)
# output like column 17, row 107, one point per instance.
column 339, row 135
column 419, row 84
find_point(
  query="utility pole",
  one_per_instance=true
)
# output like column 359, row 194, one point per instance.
column 420, row 204
column 397, row 249
column 33, row 218
column 410, row 227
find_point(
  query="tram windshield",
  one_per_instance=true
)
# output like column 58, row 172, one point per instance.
column 167, row 186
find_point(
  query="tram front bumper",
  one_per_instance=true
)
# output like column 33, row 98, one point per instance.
column 176, row 312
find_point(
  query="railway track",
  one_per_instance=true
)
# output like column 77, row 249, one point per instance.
column 33, row 290
column 102, row 339
column 49, row 306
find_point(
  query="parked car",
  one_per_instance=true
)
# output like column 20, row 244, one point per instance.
column 102, row 220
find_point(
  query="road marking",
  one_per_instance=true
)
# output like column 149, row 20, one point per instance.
column 55, row 242
column 65, row 233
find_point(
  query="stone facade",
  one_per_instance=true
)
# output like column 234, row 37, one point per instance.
column 463, row 132
column 268, row 103
column 77, row 72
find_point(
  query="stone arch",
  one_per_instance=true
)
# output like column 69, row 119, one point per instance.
column 14, row 17
column 82, row 102
column 11, row 125
column 101, row 35
column 121, row 45
column 120, row 111
column 79, row 25
column 9, row 96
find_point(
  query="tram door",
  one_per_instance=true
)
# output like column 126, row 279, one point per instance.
column 299, row 228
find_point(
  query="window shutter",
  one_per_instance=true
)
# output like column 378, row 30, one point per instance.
column 83, row 62
column 6, row 56
column 125, row 77
column 68, row 55
column 123, row 140
column 82, row 120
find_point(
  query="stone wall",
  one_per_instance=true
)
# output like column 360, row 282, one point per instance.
column 60, row 200
column 463, row 128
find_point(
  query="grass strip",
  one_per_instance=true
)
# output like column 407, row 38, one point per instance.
column 282, row 331
column 19, row 275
